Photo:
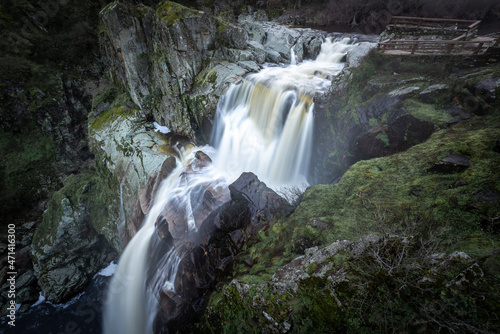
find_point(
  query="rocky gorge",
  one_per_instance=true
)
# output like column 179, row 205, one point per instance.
column 404, row 166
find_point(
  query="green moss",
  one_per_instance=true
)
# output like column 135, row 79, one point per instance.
column 120, row 105
column 171, row 12
column 111, row 115
column 428, row 112
column 373, row 122
column 386, row 285
column 382, row 136
column 222, row 25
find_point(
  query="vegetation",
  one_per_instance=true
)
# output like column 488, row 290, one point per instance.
column 389, row 284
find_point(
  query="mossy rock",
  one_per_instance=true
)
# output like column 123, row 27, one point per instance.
column 96, row 194
column 172, row 12
column 402, row 187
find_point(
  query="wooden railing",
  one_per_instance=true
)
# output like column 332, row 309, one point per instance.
column 432, row 46
column 466, row 26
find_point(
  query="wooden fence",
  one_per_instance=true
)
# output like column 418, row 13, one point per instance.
column 465, row 26
column 432, row 46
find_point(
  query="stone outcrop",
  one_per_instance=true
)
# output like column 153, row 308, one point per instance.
column 176, row 62
column 374, row 114
column 250, row 206
column 67, row 251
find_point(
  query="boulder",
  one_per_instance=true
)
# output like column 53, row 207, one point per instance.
column 263, row 201
column 67, row 251
column 487, row 89
column 452, row 163
column 356, row 55
column 488, row 195
column 382, row 140
column 308, row 46
column 222, row 235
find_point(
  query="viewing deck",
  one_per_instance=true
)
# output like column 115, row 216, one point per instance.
column 422, row 35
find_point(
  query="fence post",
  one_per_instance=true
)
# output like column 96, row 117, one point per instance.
column 479, row 47
column 414, row 48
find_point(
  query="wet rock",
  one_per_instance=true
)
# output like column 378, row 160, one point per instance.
column 487, row 195
column 204, row 199
column 66, row 249
column 487, row 89
column 131, row 152
column 453, row 163
column 149, row 191
column 400, row 134
column 356, row 55
column 161, row 226
column 263, row 201
column 459, row 114
column 308, row 46
column 229, row 217
column 222, row 235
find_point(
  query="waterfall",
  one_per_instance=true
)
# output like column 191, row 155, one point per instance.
column 263, row 125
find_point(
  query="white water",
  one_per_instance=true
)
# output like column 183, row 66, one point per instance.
column 264, row 125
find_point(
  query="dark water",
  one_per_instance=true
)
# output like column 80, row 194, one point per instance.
column 81, row 315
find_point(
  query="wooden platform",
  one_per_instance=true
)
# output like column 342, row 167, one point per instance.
column 466, row 43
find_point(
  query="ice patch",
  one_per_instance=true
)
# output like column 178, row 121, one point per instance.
column 40, row 300
column 161, row 128
column 109, row 270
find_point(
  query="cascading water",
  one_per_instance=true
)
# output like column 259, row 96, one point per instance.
column 264, row 125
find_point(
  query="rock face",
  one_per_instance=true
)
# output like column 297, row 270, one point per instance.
column 250, row 208
column 66, row 249
column 176, row 62
column 126, row 146
column 374, row 113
